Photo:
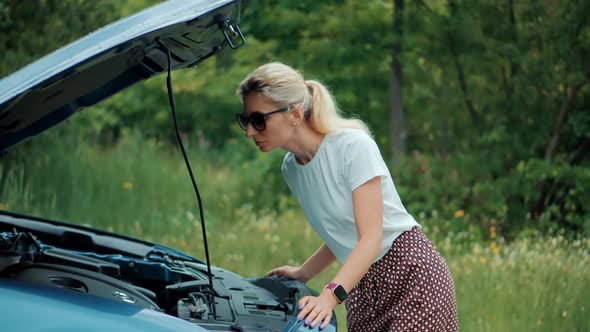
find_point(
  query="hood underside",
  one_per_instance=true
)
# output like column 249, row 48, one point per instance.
column 111, row 59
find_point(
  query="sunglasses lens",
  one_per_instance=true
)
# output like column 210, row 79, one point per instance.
column 257, row 120
column 242, row 120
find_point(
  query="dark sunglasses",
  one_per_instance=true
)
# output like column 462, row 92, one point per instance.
column 257, row 119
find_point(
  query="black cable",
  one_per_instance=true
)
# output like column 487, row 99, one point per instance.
column 188, row 165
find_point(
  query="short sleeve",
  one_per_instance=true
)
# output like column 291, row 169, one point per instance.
column 362, row 161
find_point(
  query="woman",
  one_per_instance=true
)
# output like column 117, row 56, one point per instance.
column 391, row 278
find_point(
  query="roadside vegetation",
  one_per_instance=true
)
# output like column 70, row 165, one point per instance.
column 141, row 188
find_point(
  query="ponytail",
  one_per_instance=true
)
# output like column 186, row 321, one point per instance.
column 323, row 113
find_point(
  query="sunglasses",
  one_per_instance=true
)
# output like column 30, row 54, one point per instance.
column 257, row 119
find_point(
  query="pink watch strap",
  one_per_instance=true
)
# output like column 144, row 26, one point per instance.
column 331, row 286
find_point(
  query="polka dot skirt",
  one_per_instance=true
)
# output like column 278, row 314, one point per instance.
column 409, row 289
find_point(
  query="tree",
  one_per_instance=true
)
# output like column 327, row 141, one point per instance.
column 397, row 117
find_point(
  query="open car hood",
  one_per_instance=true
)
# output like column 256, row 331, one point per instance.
column 131, row 50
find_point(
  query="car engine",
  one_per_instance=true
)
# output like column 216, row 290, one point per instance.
column 161, row 280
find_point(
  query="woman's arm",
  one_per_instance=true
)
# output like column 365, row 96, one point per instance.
column 315, row 264
column 368, row 213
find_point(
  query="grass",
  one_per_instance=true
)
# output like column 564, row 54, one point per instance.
column 141, row 188
column 529, row 285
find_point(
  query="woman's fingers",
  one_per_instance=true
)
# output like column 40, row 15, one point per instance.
column 277, row 271
column 303, row 309
column 285, row 270
column 311, row 316
column 326, row 320
column 314, row 311
column 315, row 316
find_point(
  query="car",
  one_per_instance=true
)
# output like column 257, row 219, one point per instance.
column 58, row 276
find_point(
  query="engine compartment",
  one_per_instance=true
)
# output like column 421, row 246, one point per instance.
column 160, row 281
column 131, row 280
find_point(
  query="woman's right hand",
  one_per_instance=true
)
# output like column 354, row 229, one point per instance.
column 293, row 272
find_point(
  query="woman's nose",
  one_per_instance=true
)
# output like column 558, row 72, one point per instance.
column 250, row 131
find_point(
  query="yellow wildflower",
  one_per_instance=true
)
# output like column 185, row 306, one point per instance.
column 476, row 250
column 459, row 213
column 127, row 185
column 262, row 227
column 495, row 248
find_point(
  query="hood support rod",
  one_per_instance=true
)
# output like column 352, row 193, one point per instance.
column 188, row 166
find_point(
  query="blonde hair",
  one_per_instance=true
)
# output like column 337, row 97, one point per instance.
column 284, row 84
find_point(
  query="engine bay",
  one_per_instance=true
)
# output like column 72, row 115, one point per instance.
column 161, row 280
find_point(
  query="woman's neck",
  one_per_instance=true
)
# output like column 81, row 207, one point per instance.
column 306, row 144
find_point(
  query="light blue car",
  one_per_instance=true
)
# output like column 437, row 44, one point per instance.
column 56, row 276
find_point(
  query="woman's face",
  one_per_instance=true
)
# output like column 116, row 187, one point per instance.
column 278, row 127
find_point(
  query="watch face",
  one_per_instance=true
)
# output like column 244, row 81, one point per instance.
column 340, row 293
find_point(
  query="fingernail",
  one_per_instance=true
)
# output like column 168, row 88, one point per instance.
column 299, row 318
column 300, row 306
column 307, row 322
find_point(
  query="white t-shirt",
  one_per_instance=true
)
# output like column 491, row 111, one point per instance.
column 345, row 160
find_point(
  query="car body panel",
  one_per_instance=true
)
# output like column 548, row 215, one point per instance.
column 29, row 307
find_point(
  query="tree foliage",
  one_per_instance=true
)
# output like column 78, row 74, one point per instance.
column 495, row 93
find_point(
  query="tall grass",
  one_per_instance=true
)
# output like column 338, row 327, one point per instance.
column 529, row 285
column 141, row 188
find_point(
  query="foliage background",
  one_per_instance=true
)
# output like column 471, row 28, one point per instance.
column 495, row 96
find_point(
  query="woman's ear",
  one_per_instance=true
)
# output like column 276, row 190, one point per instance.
column 297, row 113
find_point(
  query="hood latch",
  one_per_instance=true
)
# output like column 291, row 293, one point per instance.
column 232, row 33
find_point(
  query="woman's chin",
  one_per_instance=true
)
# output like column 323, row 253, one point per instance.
column 265, row 148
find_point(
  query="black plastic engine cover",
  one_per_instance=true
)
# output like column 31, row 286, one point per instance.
column 83, row 281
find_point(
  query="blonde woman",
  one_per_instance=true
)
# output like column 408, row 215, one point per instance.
column 391, row 277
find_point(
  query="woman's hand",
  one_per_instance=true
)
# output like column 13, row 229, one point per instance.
column 292, row 272
column 317, row 310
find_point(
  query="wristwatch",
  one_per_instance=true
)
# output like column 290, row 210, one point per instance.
column 338, row 291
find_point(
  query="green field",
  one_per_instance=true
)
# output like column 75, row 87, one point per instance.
column 141, row 188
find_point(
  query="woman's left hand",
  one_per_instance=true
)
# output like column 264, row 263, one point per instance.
column 317, row 309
